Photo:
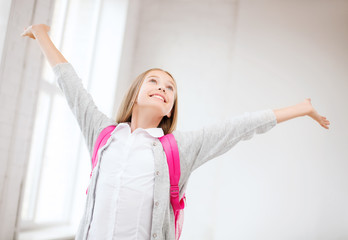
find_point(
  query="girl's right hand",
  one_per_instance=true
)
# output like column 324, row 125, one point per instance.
column 315, row 115
column 31, row 30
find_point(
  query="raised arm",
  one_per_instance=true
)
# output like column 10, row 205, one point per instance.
column 90, row 119
column 199, row 146
column 39, row 32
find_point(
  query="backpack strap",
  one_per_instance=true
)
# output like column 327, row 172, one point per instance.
column 171, row 149
column 101, row 140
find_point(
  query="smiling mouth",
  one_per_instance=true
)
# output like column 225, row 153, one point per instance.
column 157, row 97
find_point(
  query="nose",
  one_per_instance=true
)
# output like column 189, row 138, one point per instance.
column 162, row 88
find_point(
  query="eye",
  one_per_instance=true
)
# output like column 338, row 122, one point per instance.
column 154, row 80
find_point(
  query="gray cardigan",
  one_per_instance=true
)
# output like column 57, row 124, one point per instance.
column 195, row 148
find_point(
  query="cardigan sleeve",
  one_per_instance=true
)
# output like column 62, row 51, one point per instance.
column 90, row 119
column 202, row 145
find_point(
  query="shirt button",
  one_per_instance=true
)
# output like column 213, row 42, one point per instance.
column 154, row 235
column 154, row 143
column 157, row 173
column 156, row 203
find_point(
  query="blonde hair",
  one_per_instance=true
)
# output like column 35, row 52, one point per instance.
column 124, row 113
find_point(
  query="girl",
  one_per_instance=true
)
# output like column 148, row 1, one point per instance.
column 128, row 195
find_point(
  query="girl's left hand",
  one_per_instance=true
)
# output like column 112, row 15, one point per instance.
column 31, row 30
column 314, row 114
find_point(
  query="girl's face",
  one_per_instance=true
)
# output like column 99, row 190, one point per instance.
column 161, row 84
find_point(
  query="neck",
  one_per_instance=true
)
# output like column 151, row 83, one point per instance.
column 147, row 119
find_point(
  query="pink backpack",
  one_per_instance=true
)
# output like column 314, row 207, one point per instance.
column 171, row 149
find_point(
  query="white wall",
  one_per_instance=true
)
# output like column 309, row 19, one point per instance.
column 229, row 57
column 295, row 187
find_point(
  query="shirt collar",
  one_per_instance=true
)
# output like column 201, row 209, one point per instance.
column 154, row 132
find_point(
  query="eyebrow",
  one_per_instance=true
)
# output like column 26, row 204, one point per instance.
column 169, row 81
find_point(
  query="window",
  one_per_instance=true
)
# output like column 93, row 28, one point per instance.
column 5, row 6
column 90, row 35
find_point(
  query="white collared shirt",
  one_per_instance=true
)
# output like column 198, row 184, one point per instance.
column 124, row 192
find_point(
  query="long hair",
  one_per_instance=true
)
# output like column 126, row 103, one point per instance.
column 124, row 113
